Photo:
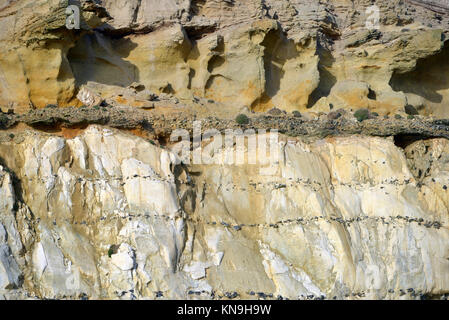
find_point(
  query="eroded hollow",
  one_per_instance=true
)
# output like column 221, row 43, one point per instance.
column 404, row 140
column 428, row 81
column 95, row 58
column 327, row 79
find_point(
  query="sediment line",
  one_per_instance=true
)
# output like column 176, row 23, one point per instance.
column 275, row 225
column 49, row 119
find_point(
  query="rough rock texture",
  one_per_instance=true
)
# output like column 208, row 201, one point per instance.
column 110, row 215
column 257, row 54
column 95, row 204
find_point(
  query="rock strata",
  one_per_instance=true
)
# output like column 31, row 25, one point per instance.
column 333, row 184
column 291, row 55
column 107, row 214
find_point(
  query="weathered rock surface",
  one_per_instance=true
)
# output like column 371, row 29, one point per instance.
column 257, row 54
column 110, row 215
column 94, row 202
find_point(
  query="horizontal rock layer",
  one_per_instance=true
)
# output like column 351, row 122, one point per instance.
column 110, row 215
column 293, row 55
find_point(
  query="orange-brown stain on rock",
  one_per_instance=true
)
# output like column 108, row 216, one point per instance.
column 72, row 132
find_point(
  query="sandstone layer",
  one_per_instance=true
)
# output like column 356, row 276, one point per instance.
column 293, row 55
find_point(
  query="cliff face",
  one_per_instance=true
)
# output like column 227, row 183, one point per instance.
column 293, row 55
column 94, row 202
column 108, row 214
